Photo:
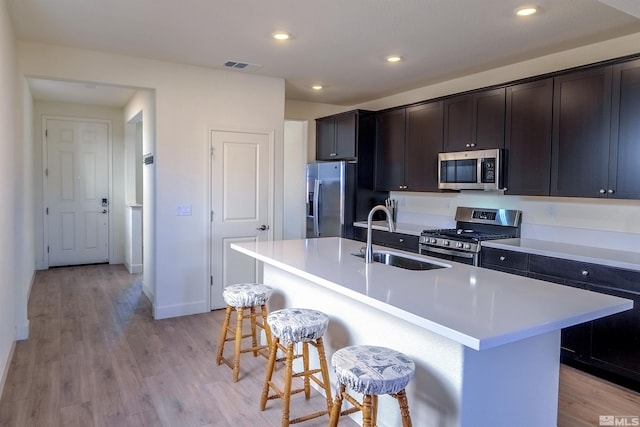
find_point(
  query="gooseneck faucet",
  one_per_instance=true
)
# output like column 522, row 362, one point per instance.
column 368, row 254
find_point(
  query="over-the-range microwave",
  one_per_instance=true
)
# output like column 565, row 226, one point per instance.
column 471, row 170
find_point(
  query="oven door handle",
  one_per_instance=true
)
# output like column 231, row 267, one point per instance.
column 447, row 252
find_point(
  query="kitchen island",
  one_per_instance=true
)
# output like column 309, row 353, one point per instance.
column 486, row 344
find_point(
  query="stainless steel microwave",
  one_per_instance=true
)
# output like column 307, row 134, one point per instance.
column 471, row 170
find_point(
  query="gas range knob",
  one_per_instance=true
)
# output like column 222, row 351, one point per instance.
column 459, row 245
column 467, row 246
column 445, row 242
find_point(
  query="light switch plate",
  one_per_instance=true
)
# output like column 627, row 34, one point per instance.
column 183, row 210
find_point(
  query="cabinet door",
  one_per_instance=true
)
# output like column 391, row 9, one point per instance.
column 624, row 173
column 615, row 339
column 488, row 119
column 475, row 121
column 580, row 147
column 325, row 139
column 458, row 118
column 346, row 128
column 422, row 144
column 502, row 260
column 390, row 134
column 528, row 138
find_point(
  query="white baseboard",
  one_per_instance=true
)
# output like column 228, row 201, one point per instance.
column 177, row 310
column 133, row 268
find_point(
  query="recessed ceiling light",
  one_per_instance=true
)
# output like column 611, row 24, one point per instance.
column 526, row 10
column 394, row 58
column 281, row 35
column 317, row 87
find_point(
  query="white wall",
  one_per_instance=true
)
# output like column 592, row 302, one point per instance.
column 141, row 108
column 116, row 206
column 295, row 159
column 189, row 101
column 16, row 264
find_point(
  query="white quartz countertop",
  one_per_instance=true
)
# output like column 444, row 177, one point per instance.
column 401, row 227
column 476, row 307
column 609, row 257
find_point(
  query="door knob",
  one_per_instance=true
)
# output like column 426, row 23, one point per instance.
column 263, row 227
column 104, row 211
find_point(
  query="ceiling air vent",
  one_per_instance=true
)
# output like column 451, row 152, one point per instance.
column 244, row 66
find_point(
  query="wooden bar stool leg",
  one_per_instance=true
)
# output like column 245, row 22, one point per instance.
column 337, row 407
column 374, row 410
column 401, row 396
column 366, row 411
column 288, row 377
column 305, row 367
column 254, row 339
column 273, row 351
column 324, row 369
column 238, row 343
column 223, row 334
column 265, row 325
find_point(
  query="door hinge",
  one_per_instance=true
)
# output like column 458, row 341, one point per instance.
column 46, row 172
column 210, row 280
column 211, row 219
column 47, row 249
column 212, row 151
column 47, row 211
column 46, row 133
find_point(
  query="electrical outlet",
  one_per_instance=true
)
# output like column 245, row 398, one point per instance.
column 551, row 210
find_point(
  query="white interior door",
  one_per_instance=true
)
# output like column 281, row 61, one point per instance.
column 77, row 191
column 241, row 171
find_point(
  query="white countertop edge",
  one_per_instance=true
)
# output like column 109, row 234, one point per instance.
column 514, row 245
column 457, row 336
column 387, row 308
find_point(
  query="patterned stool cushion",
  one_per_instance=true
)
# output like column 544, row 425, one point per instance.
column 372, row 370
column 246, row 294
column 293, row 325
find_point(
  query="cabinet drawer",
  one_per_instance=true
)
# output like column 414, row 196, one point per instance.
column 405, row 242
column 504, row 259
column 617, row 278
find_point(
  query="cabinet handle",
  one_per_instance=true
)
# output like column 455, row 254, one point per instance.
column 611, row 191
column 401, row 240
column 333, row 154
column 602, row 191
column 473, row 144
column 585, row 273
column 502, row 258
column 468, row 145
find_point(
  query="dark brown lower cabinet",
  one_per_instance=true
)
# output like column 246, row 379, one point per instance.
column 608, row 347
column 405, row 242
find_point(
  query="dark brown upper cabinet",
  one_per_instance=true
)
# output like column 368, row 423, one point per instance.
column 337, row 136
column 528, row 129
column 624, row 164
column 475, row 121
column 581, row 134
column 407, row 147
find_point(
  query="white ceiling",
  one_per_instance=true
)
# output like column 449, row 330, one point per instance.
column 341, row 44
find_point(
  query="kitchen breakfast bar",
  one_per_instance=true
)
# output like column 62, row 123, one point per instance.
column 486, row 344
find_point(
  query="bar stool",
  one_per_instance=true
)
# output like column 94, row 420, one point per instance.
column 289, row 327
column 371, row 371
column 239, row 298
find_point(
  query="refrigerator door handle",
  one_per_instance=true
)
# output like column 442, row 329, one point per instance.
column 316, row 208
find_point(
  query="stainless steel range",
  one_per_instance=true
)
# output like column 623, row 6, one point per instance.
column 473, row 225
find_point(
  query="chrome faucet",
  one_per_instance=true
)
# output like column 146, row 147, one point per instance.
column 368, row 254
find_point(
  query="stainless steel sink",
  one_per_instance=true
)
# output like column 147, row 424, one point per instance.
column 403, row 261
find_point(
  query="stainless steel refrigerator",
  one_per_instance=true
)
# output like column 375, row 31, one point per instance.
column 330, row 191
column 339, row 193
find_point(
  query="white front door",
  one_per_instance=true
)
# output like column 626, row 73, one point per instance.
column 241, row 171
column 77, row 191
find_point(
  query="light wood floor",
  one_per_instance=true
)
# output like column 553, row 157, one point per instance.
column 97, row 358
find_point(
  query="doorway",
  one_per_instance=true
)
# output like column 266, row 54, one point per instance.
column 76, row 190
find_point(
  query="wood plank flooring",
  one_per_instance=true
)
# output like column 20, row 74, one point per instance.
column 96, row 357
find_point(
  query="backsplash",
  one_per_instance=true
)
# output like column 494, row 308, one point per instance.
column 611, row 224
